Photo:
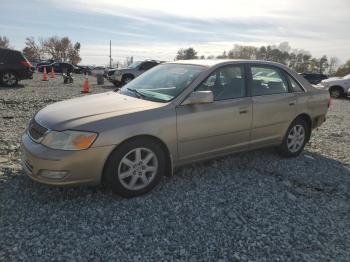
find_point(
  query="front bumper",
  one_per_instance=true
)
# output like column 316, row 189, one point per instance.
column 80, row 167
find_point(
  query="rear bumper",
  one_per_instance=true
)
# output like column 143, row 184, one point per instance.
column 79, row 167
column 25, row 74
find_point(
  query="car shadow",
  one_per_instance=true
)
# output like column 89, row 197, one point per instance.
column 12, row 87
column 309, row 172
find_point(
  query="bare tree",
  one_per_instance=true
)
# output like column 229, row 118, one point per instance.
column 33, row 50
column 62, row 49
column 333, row 63
column 4, row 42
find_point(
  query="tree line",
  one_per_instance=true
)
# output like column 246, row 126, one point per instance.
column 59, row 49
column 297, row 59
column 64, row 50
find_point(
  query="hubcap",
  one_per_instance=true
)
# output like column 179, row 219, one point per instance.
column 9, row 79
column 335, row 93
column 138, row 168
column 296, row 138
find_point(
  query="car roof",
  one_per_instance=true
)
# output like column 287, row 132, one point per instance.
column 214, row 62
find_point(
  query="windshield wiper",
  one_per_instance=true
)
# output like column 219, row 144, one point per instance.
column 135, row 91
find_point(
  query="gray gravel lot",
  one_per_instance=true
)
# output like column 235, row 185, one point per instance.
column 253, row 206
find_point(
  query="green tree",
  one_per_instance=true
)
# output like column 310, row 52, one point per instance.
column 344, row 69
column 186, row 54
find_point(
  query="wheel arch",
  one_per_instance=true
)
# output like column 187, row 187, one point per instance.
column 169, row 160
column 337, row 87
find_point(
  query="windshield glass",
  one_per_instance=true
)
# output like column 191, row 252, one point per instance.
column 347, row 76
column 135, row 64
column 163, row 82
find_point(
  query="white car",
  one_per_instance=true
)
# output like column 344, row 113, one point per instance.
column 124, row 75
column 337, row 86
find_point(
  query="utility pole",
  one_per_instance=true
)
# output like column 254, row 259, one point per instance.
column 110, row 53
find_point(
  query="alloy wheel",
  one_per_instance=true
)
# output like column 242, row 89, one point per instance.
column 296, row 138
column 137, row 168
column 335, row 93
column 9, row 79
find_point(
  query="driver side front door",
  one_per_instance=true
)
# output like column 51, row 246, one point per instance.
column 207, row 130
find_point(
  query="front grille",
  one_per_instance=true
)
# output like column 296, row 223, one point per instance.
column 36, row 131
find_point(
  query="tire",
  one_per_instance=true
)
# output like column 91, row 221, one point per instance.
column 336, row 92
column 117, row 84
column 295, row 138
column 127, row 78
column 9, row 79
column 135, row 167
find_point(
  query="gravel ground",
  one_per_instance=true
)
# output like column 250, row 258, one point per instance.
column 253, row 206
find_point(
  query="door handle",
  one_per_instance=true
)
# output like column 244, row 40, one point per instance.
column 292, row 103
column 243, row 111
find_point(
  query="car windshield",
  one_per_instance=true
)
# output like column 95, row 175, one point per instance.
column 135, row 64
column 163, row 83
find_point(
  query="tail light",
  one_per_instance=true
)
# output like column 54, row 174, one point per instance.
column 329, row 102
column 25, row 63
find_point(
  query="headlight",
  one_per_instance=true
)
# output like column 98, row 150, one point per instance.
column 69, row 140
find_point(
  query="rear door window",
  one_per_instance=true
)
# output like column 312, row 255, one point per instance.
column 268, row 81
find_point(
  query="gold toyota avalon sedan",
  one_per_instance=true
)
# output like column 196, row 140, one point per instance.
column 173, row 114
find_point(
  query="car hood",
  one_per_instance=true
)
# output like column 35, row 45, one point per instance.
column 70, row 114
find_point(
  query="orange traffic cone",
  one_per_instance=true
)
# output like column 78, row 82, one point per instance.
column 86, row 86
column 52, row 73
column 45, row 75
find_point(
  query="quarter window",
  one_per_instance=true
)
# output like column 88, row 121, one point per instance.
column 268, row 81
column 295, row 86
column 225, row 83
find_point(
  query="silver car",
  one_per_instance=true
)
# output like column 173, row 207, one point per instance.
column 173, row 114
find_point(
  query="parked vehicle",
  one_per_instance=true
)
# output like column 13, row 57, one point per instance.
column 314, row 78
column 109, row 72
column 82, row 69
column 125, row 75
column 14, row 67
column 45, row 63
column 98, row 70
column 58, row 67
column 175, row 113
column 337, row 86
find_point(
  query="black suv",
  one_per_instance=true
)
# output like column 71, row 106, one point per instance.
column 58, row 67
column 314, row 78
column 14, row 67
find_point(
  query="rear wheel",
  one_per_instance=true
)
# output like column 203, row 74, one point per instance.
column 335, row 92
column 295, row 138
column 9, row 79
column 135, row 167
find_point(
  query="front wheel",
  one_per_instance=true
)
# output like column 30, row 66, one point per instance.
column 335, row 92
column 135, row 167
column 126, row 79
column 295, row 138
column 9, row 79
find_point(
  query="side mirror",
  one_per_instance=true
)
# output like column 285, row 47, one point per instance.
column 199, row 97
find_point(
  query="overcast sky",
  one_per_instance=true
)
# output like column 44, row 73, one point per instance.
column 156, row 29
